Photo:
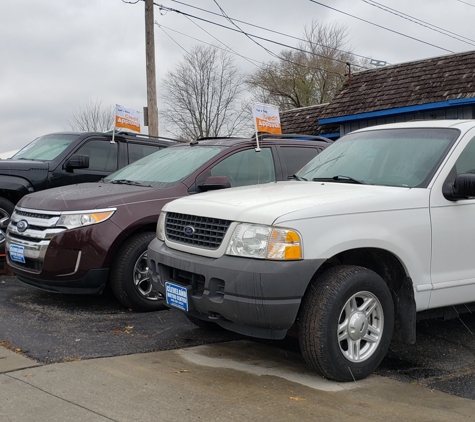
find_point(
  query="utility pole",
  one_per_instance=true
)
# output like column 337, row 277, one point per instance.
column 152, row 109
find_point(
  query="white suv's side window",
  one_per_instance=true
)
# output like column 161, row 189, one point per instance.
column 247, row 168
column 466, row 161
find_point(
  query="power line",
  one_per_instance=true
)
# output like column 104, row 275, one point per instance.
column 207, row 43
column 269, row 30
column 275, row 42
column 466, row 3
column 380, row 26
column 266, row 49
column 240, row 30
column 169, row 36
column 169, row 9
column 227, row 47
column 419, row 22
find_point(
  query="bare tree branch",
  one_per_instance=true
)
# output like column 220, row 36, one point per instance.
column 93, row 117
column 203, row 96
column 312, row 75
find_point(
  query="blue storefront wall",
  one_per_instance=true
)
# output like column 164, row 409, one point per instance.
column 452, row 109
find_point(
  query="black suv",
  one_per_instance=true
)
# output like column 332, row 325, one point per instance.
column 76, row 239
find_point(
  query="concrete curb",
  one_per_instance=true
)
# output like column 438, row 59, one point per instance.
column 12, row 361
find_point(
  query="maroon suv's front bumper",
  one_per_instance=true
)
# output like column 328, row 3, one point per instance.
column 74, row 261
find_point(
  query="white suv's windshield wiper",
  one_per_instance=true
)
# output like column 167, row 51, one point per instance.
column 294, row 176
column 128, row 182
column 339, row 177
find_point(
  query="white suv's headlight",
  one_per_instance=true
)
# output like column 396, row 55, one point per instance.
column 265, row 242
column 80, row 219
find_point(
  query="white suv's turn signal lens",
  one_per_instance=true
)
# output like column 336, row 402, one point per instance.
column 285, row 244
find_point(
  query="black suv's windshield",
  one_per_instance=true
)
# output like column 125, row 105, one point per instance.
column 45, row 148
column 390, row 157
column 167, row 166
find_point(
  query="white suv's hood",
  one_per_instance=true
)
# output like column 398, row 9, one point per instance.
column 283, row 201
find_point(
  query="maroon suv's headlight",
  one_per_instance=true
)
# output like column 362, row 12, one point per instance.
column 73, row 220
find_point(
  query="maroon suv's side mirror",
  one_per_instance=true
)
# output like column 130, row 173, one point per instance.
column 215, row 183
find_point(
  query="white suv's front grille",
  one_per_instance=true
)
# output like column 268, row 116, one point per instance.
column 202, row 232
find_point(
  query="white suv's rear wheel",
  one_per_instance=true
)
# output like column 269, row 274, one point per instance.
column 346, row 323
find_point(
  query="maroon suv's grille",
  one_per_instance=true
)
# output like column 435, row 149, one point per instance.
column 29, row 264
column 193, row 230
column 34, row 214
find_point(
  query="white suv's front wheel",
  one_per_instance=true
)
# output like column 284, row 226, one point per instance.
column 346, row 323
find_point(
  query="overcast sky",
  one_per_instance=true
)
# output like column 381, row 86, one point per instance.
column 57, row 56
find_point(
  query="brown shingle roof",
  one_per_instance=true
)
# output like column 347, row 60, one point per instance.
column 304, row 121
column 426, row 81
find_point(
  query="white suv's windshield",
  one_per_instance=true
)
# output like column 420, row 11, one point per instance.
column 390, row 157
column 45, row 148
column 169, row 165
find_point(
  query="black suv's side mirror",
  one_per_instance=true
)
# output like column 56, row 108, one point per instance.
column 215, row 183
column 462, row 188
column 78, row 161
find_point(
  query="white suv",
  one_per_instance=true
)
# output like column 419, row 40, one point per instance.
column 377, row 229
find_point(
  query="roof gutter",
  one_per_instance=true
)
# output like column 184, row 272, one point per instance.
column 400, row 110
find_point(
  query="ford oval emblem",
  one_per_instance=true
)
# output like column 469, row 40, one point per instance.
column 22, row 225
column 189, row 230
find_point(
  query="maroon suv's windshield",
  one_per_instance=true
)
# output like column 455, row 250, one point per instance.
column 169, row 165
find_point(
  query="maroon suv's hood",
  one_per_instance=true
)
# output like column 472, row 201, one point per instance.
column 87, row 196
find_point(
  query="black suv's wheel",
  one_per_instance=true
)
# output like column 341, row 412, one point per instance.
column 129, row 278
column 6, row 211
column 346, row 323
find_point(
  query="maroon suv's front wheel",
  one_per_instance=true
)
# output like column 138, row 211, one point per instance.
column 129, row 277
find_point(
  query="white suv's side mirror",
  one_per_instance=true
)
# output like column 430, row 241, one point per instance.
column 462, row 188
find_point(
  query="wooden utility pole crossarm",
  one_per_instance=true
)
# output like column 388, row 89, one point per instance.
column 150, row 63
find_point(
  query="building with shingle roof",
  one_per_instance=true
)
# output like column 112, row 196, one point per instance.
column 436, row 88
column 304, row 121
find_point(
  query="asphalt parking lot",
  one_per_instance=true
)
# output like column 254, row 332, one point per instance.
column 51, row 328
column 54, row 328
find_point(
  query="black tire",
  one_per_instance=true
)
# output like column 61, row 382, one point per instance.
column 336, row 337
column 206, row 325
column 6, row 211
column 129, row 277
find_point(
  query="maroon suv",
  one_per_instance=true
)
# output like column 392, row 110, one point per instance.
column 75, row 239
